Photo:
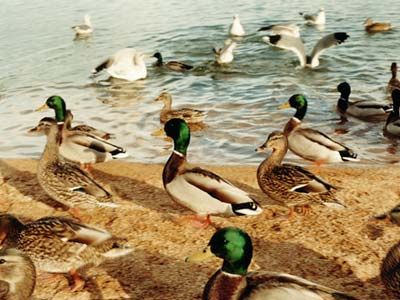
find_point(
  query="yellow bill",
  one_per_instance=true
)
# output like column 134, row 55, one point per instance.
column 42, row 108
column 158, row 132
column 200, row 256
column 284, row 105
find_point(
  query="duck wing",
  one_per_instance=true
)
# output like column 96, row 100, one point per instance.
column 321, row 138
column 69, row 230
column 178, row 66
column 288, row 42
column 326, row 42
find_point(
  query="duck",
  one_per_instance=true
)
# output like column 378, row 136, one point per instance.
column 236, row 28
column 317, row 19
column 84, row 29
column 283, row 29
column 76, row 145
column 392, row 126
column 372, row 27
column 188, row 114
column 225, row 55
column 295, row 44
column 202, row 191
column 61, row 245
column 172, row 65
column 362, row 109
column 290, row 184
column 66, row 182
column 17, row 275
column 127, row 64
column 233, row 280
column 394, row 82
column 45, row 122
column 309, row 143
column 390, row 271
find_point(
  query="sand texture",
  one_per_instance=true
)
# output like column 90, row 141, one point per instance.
column 342, row 249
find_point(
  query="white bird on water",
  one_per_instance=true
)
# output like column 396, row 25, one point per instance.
column 318, row 19
column 236, row 28
column 84, row 29
column 225, row 55
column 127, row 64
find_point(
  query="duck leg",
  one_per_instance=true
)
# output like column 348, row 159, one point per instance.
column 77, row 281
column 196, row 220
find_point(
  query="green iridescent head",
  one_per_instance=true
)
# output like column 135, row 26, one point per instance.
column 299, row 102
column 179, row 131
column 58, row 104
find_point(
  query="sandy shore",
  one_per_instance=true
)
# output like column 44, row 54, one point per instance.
column 341, row 249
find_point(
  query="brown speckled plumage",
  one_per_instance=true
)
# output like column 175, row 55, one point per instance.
column 390, row 271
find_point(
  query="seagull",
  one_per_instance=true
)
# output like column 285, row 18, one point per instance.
column 296, row 45
column 236, row 29
column 84, row 29
column 286, row 29
column 318, row 19
column 125, row 64
column 225, row 55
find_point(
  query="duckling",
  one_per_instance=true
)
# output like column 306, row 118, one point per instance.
column 293, row 185
column 84, row 29
column 60, row 245
column 236, row 28
column 309, row 143
column 372, row 27
column 79, row 146
column 199, row 190
column 45, row 122
column 318, row 19
column 17, row 275
column 392, row 126
column 233, row 281
column 225, row 55
column 363, row 109
column 65, row 182
column 390, row 271
column 187, row 114
column 127, row 64
column 172, row 65
column 283, row 29
column 394, row 82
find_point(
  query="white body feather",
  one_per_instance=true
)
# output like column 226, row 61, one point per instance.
column 236, row 28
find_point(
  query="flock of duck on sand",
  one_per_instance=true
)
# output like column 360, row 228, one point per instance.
column 63, row 245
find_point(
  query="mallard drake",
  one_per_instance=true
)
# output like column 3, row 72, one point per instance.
column 295, row 44
column 309, row 143
column 371, row 26
column 317, row 19
column 65, row 182
column 236, row 28
column 283, row 29
column 187, row 114
column 45, row 122
column 392, row 126
column 127, row 64
column 289, row 184
column 225, row 55
column 84, row 29
column 17, row 275
column 394, row 82
column 233, row 281
column 60, row 245
column 200, row 190
column 390, row 271
column 172, row 65
column 362, row 109
column 76, row 145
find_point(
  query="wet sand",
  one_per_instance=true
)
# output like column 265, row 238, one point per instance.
column 338, row 248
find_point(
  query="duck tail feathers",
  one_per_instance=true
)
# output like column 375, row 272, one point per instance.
column 348, row 155
column 119, row 153
column 246, row 208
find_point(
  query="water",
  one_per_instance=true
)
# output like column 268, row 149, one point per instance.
column 39, row 57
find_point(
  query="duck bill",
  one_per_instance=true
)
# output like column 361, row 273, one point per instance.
column 261, row 149
column 34, row 130
column 200, row 256
column 43, row 107
column 284, row 105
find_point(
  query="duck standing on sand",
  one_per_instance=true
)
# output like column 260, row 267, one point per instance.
column 60, row 245
column 394, row 82
column 83, row 29
column 200, row 190
column 17, row 275
column 372, row 27
column 234, row 282
column 362, row 109
column 172, row 65
column 317, row 19
column 309, row 143
column 236, row 28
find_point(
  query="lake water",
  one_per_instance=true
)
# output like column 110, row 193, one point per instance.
column 39, row 57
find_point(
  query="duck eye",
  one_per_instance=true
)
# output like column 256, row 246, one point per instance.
column 225, row 241
column 2, row 261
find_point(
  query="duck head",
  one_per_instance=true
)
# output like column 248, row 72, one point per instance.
column 56, row 103
column 299, row 102
column 179, row 131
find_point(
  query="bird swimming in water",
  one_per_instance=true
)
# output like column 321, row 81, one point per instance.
column 84, row 29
